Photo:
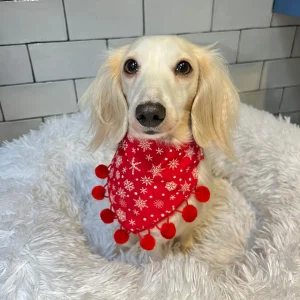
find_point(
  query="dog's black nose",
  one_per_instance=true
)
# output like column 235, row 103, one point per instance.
column 150, row 114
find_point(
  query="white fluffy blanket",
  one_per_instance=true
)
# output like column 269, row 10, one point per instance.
column 53, row 245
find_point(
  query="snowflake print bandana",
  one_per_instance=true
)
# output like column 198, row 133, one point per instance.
column 147, row 181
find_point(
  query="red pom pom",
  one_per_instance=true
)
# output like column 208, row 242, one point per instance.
column 147, row 242
column 107, row 216
column 202, row 193
column 121, row 236
column 101, row 171
column 168, row 230
column 98, row 192
column 189, row 213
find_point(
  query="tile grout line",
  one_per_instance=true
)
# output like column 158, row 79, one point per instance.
column 293, row 45
column 280, row 104
column 143, row 11
column 66, row 20
column 261, row 74
column 212, row 15
column 2, row 112
column 238, row 48
column 76, row 95
column 31, row 64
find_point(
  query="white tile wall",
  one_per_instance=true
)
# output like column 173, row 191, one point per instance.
column 115, row 43
column 296, row 48
column 294, row 117
column 1, row 116
column 237, row 14
column 268, row 43
column 290, row 100
column 12, row 130
column 246, row 77
column 280, row 73
column 268, row 100
column 33, row 100
column 31, row 21
column 227, row 42
column 179, row 16
column 284, row 20
column 82, row 85
column 14, row 65
column 65, row 60
column 104, row 19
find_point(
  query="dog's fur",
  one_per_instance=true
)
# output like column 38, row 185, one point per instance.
column 202, row 104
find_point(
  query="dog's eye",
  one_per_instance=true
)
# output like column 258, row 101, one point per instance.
column 183, row 68
column 131, row 66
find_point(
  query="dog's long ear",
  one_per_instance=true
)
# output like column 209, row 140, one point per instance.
column 215, row 108
column 106, row 102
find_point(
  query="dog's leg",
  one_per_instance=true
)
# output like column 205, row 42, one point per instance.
column 186, row 240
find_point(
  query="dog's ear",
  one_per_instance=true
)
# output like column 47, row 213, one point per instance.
column 215, row 108
column 106, row 102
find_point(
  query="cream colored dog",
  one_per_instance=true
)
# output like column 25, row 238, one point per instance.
column 164, row 87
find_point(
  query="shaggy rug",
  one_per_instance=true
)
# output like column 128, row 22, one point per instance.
column 53, row 245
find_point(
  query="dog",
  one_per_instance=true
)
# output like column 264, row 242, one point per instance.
column 190, row 95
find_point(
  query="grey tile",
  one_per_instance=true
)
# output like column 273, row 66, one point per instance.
column 268, row 43
column 284, row 20
column 268, row 100
column 237, row 14
column 13, row 130
column 294, row 117
column 246, row 77
column 291, row 99
column 31, row 21
column 66, row 60
column 14, row 65
column 36, row 100
column 104, row 19
column 227, row 42
column 181, row 16
column 82, row 85
column 116, row 43
column 296, row 48
column 281, row 73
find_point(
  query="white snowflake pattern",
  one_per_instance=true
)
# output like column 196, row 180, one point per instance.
column 177, row 147
column 146, row 180
column 140, row 203
column 158, row 203
column 112, row 199
column 130, row 138
column 136, row 212
column 143, row 190
column 172, row 197
column 185, row 187
column 156, row 170
column 189, row 153
column 133, row 150
column 118, row 160
column 124, row 145
column 148, row 157
column 121, row 193
column 113, row 188
column 124, row 170
column 159, row 151
column 118, row 175
column 171, row 186
column 129, row 186
column 145, row 145
column 173, row 164
column 121, row 214
column 111, row 173
column 195, row 173
column 134, row 165
column 132, row 222
column 123, row 202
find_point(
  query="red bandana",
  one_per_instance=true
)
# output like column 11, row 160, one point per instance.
column 147, row 181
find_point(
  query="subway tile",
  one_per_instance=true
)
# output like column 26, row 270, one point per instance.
column 291, row 99
column 36, row 100
column 237, row 14
column 104, row 19
column 284, row 20
column 227, row 42
column 281, row 73
column 296, row 48
column 246, row 77
column 294, row 117
column 82, row 85
column 14, row 65
column 66, row 60
column 268, row 100
column 1, row 116
column 13, row 130
column 181, row 16
column 31, row 21
column 267, row 43
column 116, row 43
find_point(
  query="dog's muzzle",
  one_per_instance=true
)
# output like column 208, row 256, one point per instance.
column 150, row 114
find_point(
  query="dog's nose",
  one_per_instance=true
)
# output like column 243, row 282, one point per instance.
column 150, row 114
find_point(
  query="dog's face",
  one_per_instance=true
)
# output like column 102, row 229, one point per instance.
column 159, row 79
column 166, row 88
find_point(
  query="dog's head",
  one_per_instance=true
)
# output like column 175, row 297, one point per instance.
column 163, row 87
